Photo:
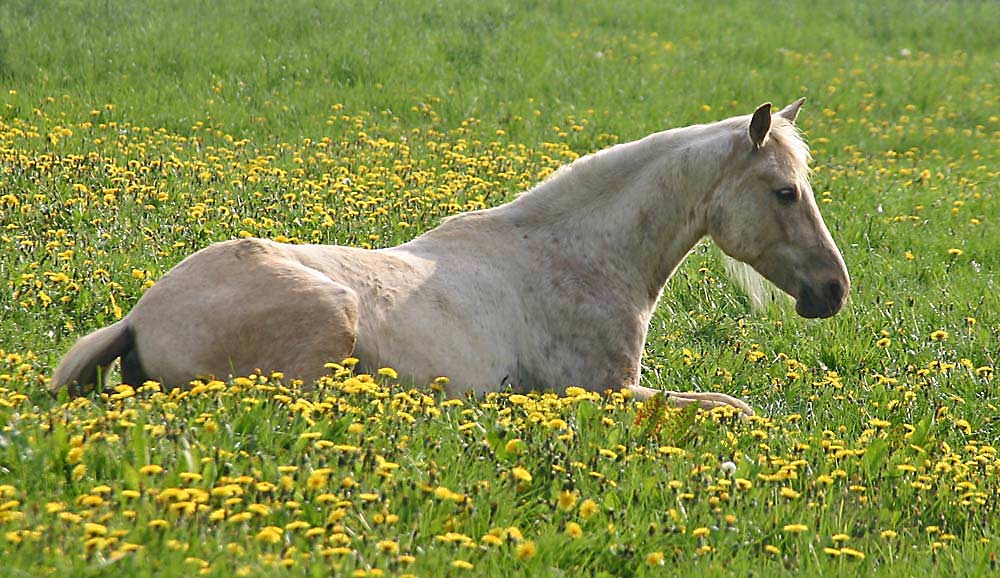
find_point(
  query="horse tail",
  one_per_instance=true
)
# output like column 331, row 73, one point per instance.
column 761, row 292
column 88, row 363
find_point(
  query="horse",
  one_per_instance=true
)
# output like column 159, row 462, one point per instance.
column 555, row 288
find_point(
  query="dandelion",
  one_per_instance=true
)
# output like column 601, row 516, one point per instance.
column 790, row 494
column 526, row 550
column 939, row 335
column 795, row 528
column 588, row 508
column 388, row 547
column 514, row 446
column 521, row 474
column 75, row 454
column 573, row 530
column 655, row 558
column 270, row 534
column 567, row 500
column 852, row 553
column 92, row 529
column 151, row 470
column 316, row 481
column 462, row 564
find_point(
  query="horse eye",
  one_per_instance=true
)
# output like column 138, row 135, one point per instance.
column 787, row 194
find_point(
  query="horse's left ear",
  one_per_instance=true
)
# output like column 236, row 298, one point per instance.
column 760, row 125
column 791, row 112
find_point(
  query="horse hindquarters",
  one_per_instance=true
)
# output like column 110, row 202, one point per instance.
column 240, row 307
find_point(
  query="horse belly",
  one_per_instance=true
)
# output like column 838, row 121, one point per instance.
column 426, row 341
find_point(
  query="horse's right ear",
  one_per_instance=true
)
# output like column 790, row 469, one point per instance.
column 760, row 125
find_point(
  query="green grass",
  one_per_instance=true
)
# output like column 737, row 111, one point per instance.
column 133, row 134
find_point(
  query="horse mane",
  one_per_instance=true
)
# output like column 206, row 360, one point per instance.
column 695, row 152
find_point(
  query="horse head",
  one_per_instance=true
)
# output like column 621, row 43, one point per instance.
column 763, row 213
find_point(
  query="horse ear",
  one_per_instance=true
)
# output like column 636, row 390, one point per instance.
column 760, row 124
column 791, row 112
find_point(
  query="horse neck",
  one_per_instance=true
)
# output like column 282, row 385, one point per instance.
column 634, row 210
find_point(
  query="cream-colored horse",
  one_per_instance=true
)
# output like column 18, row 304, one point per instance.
column 553, row 289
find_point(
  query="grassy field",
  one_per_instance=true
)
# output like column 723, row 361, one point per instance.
column 134, row 133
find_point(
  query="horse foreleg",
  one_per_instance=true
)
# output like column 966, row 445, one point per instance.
column 705, row 400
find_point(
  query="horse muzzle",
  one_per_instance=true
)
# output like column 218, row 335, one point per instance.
column 822, row 300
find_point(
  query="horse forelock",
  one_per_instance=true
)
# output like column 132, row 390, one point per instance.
column 788, row 137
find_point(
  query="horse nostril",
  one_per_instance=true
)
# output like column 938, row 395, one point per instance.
column 834, row 291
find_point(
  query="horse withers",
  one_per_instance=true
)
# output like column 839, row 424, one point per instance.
column 555, row 288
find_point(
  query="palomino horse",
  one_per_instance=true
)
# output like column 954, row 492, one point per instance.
column 553, row 289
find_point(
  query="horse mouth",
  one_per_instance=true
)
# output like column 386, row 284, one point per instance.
column 821, row 302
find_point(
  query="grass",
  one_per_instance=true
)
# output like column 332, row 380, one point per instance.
column 132, row 134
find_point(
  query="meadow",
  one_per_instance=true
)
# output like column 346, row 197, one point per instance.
column 135, row 133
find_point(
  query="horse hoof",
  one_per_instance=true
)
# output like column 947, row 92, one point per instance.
column 709, row 400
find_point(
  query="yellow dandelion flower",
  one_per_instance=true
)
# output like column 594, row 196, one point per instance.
column 700, row 532
column 70, row 517
column 270, row 534
column 240, row 517
column 588, row 508
column 388, row 547
column 151, row 470
column 567, row 500
column 526, row 550
column 852, row 553
column 795, row 528
column 939, row 335
column 655, row 558
column 888, row 534
column 388, row 372
column 514, row 446
column 92, row 529
column 462, row 564
column 772, row 549
column 75, row 454
column 573, row 530
column 514, row 534
column 521, row 474
column 316, row 481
